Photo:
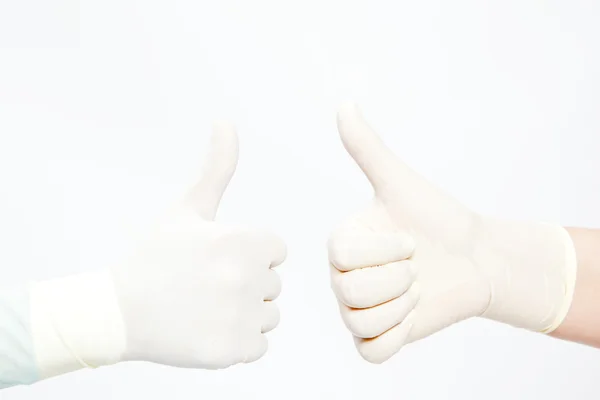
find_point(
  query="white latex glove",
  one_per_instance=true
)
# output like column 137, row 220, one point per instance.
column 194, row 293
column 416, row 260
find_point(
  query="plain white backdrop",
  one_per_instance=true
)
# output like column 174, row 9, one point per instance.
column 105, row 111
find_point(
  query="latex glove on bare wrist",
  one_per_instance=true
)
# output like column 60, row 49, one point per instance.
column 416, row 260
column 194, row 293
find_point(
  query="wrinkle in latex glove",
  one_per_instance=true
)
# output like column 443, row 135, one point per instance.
column 416, row 260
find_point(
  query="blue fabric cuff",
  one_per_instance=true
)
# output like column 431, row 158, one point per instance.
column 17, row 358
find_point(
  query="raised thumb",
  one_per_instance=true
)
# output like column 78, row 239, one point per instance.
column 218, row 169
column 366, row 147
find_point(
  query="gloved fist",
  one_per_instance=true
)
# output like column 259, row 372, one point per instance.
column 194, row 293
column 416, row 260
column 197, row 293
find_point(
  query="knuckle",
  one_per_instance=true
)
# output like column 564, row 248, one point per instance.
column 360, row 324
column 338, row 251
column 276, row 314
column 370, row 351
column 335, row 280
column 273, row 318
column 274, row 278
column 349, row 291
column 277, row 286
column 346, row 292
column 257, row 349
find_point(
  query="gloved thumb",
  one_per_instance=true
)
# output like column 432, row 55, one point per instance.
column 366, row 147
column 218, row 169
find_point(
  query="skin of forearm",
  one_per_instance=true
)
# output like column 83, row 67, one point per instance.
column 582, row 324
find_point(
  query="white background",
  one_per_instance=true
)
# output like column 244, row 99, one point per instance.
column 105, row 110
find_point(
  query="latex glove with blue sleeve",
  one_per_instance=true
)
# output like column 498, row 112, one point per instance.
column 194, row 293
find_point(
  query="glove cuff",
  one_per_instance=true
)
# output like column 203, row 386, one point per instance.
column 76, row 323
column 532, row 270
column 570, row 276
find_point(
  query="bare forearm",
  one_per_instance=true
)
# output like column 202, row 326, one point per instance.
column 582, row 323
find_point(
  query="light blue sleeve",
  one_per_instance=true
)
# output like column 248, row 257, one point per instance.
column 17, row 359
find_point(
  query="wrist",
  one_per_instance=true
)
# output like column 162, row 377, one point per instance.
column 531, row 268
column 76, row 323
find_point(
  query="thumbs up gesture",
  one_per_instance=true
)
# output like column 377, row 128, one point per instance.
column 416, row 260
column 198, row 293
column 194, row 293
